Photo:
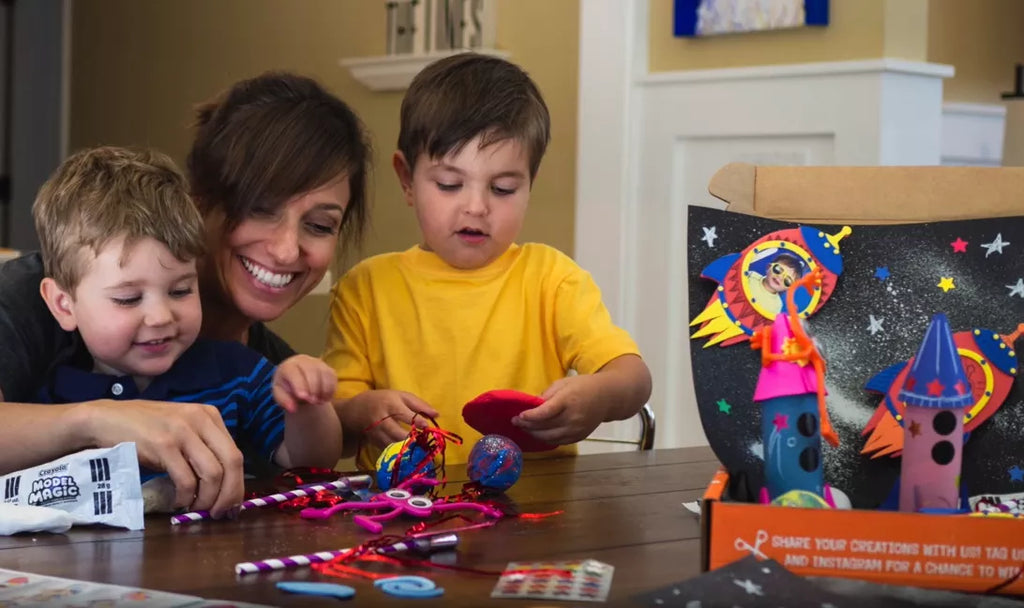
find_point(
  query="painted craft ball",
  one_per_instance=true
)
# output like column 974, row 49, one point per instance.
column 802, row 499
column 495, row 462
column 387, row 463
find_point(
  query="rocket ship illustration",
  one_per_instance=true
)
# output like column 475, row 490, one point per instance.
column 990, row 364
column 791, row 392
column 751, row 283
column 936, row 393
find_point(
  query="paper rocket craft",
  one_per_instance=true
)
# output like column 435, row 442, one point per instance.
column 752, row 283
column 990, row 364
column 790, row 390
column 935, row 395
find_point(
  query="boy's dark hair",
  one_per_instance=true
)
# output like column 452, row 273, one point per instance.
column 790, row 260
column 104, row 193
column 458, row 98
column 272, row 137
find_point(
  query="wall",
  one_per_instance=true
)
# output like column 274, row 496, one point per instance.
column 854, row 32
column 983, row 40
column 138, row 67
column 980, row 38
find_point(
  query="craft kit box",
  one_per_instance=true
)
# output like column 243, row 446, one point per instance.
column 955, row 552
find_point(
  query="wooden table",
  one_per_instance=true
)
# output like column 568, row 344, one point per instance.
column 623, row 509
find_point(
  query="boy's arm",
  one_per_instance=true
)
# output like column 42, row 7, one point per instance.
column 303, row 387
column 381, row 414
column 312, row 437
column 613, row 381
column 366, row 414
column 187, row 440
column 574, row 406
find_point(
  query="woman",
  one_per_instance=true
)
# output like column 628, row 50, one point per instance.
column 279, row 170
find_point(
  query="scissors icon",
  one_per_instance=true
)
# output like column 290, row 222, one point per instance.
column 760, row 539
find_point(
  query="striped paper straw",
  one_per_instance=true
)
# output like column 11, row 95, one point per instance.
column 440, row 541
column 345, row 483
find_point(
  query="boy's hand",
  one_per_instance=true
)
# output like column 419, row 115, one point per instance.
column 570, row 412
column 386, row 411
column 303, row 379
column 574, row 406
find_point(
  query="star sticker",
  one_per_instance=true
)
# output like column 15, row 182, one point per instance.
column 960, row 388
column 959, row 245
column 910, row 383
column 1016, row 474
column 1017, row 289
column 875, row 324
column 781, row 421
column 749, row 586
column 723, row 406
column 995, row 246
column 709, row 235
column 946, row 283
column 935, row 388
column 882, row 273
column 790, row 348
column 914, row 428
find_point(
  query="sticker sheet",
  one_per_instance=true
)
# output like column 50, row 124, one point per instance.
column 577, row 581
column 31, row 590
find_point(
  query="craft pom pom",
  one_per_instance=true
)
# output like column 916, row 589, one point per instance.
column 495, row 462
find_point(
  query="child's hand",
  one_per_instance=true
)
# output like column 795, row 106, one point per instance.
column 303, row 379
column 574, row 406
column 383, row 413
column 570, row 412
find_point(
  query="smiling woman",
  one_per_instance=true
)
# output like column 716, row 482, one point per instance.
column 278, row 169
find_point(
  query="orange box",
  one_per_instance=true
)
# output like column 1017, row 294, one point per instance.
column 955, row 552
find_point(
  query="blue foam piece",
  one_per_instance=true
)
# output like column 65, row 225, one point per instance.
column 409, row 587
column 325, row 589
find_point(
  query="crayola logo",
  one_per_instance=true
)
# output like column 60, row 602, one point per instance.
column 52, row 490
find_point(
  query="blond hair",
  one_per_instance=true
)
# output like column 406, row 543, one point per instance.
column 104, row 193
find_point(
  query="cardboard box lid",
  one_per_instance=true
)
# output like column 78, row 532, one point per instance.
column 870, row 195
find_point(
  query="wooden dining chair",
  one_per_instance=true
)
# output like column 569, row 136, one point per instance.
column 637, row 431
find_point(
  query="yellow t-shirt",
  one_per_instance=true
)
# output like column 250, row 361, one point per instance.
column 408, row 321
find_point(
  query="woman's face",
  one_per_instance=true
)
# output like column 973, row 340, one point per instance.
column 274, row 257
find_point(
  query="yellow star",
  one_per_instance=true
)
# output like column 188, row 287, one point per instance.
column 790, row 348
column 946, row 283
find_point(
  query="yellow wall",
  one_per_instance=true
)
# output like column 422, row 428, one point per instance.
column 983, row 40
column 138, row 67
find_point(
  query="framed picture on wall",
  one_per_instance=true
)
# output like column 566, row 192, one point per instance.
column 710, row 17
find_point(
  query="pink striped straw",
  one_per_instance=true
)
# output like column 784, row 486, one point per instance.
column 345, row 483
column 425, row 545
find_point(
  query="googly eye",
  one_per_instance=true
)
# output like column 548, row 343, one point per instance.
column 397, row 494
column 420, row 502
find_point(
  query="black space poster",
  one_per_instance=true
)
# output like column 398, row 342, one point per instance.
column 893, row 279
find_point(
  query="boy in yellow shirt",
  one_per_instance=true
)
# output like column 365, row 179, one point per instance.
column 468, row 311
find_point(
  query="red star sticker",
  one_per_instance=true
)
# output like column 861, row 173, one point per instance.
column 959, row 386
column 910, row 383
column 935, row 388
column 914, row 428
column 959, row 245
column 781, row 421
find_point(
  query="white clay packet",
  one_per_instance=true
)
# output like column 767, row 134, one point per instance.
column 97, row 486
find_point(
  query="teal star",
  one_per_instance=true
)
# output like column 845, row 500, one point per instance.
column 723, row 406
